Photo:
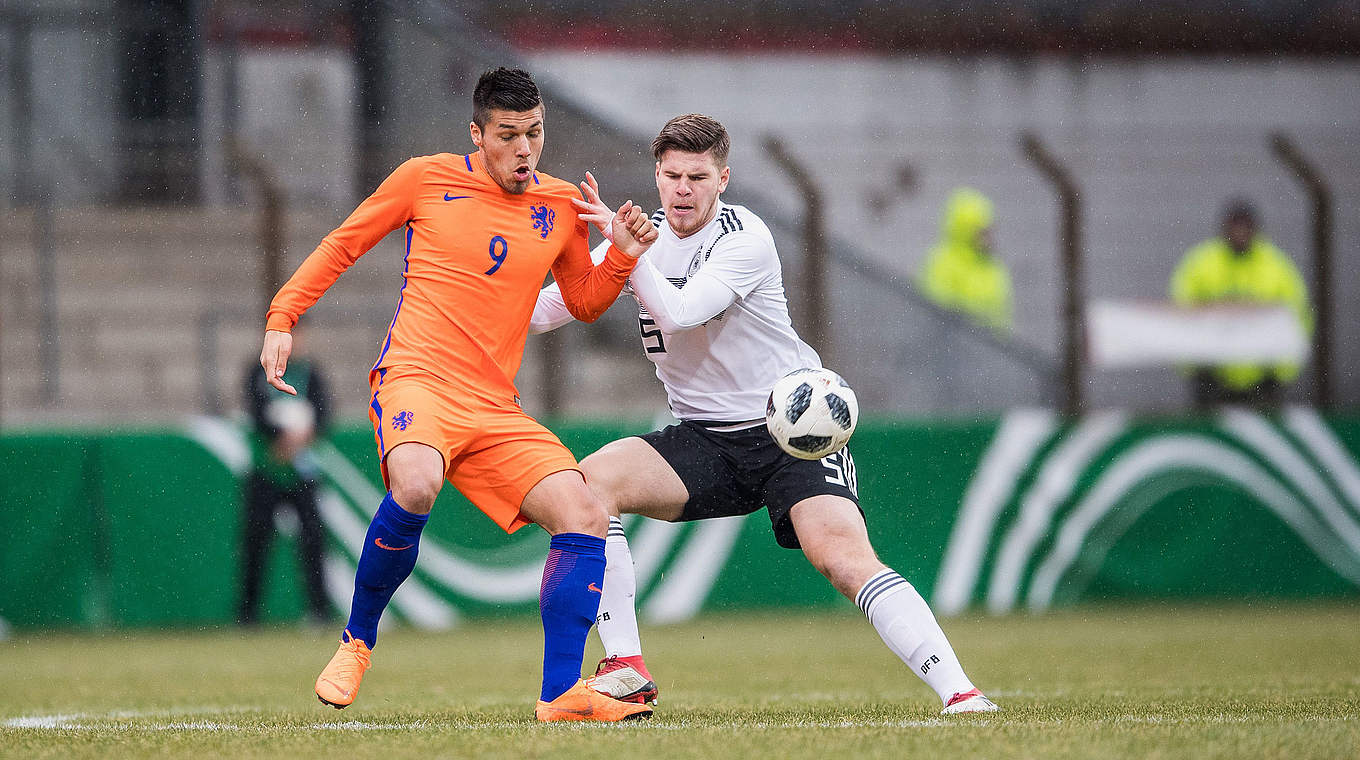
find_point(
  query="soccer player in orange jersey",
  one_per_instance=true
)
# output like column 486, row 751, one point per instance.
column 482, row 231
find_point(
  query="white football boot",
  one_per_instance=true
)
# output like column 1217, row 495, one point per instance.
column 968, row 702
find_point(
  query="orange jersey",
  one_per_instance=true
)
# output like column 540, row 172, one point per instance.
column 476, row 257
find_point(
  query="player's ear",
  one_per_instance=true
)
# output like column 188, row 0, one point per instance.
column 723, row 177
column 476, row 133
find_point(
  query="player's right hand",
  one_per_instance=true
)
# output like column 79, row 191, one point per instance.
column 278, row 346
column 594, row 210
column 634, row 233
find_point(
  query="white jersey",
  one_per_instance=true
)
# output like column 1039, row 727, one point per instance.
column 719, row 346
column 723, row 369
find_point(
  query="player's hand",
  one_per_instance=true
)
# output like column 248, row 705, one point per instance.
column 278, row 346
column 634, row 233
column 592, row 209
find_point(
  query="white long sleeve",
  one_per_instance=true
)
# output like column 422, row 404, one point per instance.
column 675, row 309
column 550, row 311
column 735, row 266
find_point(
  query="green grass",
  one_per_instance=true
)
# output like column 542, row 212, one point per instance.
column 1145, row 682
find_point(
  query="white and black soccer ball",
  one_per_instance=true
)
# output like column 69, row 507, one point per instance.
column 811, row 413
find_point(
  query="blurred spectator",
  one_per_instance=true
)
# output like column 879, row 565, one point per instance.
column 1240, row 266
column 284, row 477
column 962, row 273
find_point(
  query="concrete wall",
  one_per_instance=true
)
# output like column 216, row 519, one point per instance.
column 71, row 108
column 293, row 111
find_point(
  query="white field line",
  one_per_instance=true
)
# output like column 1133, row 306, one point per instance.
column 110, row 723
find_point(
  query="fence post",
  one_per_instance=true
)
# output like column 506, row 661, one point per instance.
column 369, row 19
column 1289, row 155
column 210, row 388
column 49, row 336
column 812, row 288
column 271, row 220
column 1074, row 301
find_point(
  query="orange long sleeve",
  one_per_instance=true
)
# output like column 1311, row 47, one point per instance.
column 389, row 207
column 589, row 290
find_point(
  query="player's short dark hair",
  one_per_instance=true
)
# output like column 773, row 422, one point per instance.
column 506, row 90
column 693, row 133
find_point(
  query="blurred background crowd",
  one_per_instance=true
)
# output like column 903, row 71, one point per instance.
column 969, row 198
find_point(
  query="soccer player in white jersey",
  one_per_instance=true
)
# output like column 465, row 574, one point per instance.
column 715, row 321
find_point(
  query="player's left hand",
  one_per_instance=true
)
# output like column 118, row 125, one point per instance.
column 594, row 210
column 278, row 346
column 634, row 233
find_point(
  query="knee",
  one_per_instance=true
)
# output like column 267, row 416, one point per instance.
column 602, row 482
column 583, row 514
column 609, row 467
column 415, row 492
column 586, row 515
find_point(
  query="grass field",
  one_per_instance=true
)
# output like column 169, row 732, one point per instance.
column 1145, row 682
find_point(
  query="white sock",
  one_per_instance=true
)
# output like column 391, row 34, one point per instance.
column 617, row 621
column 907, row 626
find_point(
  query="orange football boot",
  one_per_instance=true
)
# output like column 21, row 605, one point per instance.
column 338, row 684
column 581, row 702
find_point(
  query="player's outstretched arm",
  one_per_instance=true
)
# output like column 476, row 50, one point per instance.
column 389, row 207
column 550, row 310
column 278, row 346
column 674, row 310
column 736, row 266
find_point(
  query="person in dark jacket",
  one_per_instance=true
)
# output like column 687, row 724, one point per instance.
column 284, row 477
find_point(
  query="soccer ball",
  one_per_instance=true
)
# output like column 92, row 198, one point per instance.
column 811, row 413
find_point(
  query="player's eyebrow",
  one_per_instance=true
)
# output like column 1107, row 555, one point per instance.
column 535, row 125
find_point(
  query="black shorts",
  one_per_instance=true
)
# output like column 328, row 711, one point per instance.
column 738, row 472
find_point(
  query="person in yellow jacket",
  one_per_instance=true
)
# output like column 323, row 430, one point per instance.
column 962, row 273
column 1241, row 266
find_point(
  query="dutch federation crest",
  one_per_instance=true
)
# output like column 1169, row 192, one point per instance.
column 543, row 218
column 403, row 420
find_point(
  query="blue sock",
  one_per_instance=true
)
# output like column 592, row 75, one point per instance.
column 568, row 602
column 387, row 558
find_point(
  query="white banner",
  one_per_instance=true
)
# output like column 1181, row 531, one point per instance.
column 1125, row 334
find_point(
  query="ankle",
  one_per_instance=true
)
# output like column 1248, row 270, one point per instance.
column 635, row 661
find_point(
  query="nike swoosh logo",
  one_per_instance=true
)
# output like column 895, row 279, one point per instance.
column 448, row 197
column 593, row 587
column 343, row 692
column 381, row 545
column 586, row 712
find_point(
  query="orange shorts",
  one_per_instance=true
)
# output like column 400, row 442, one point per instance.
column 494, row 453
